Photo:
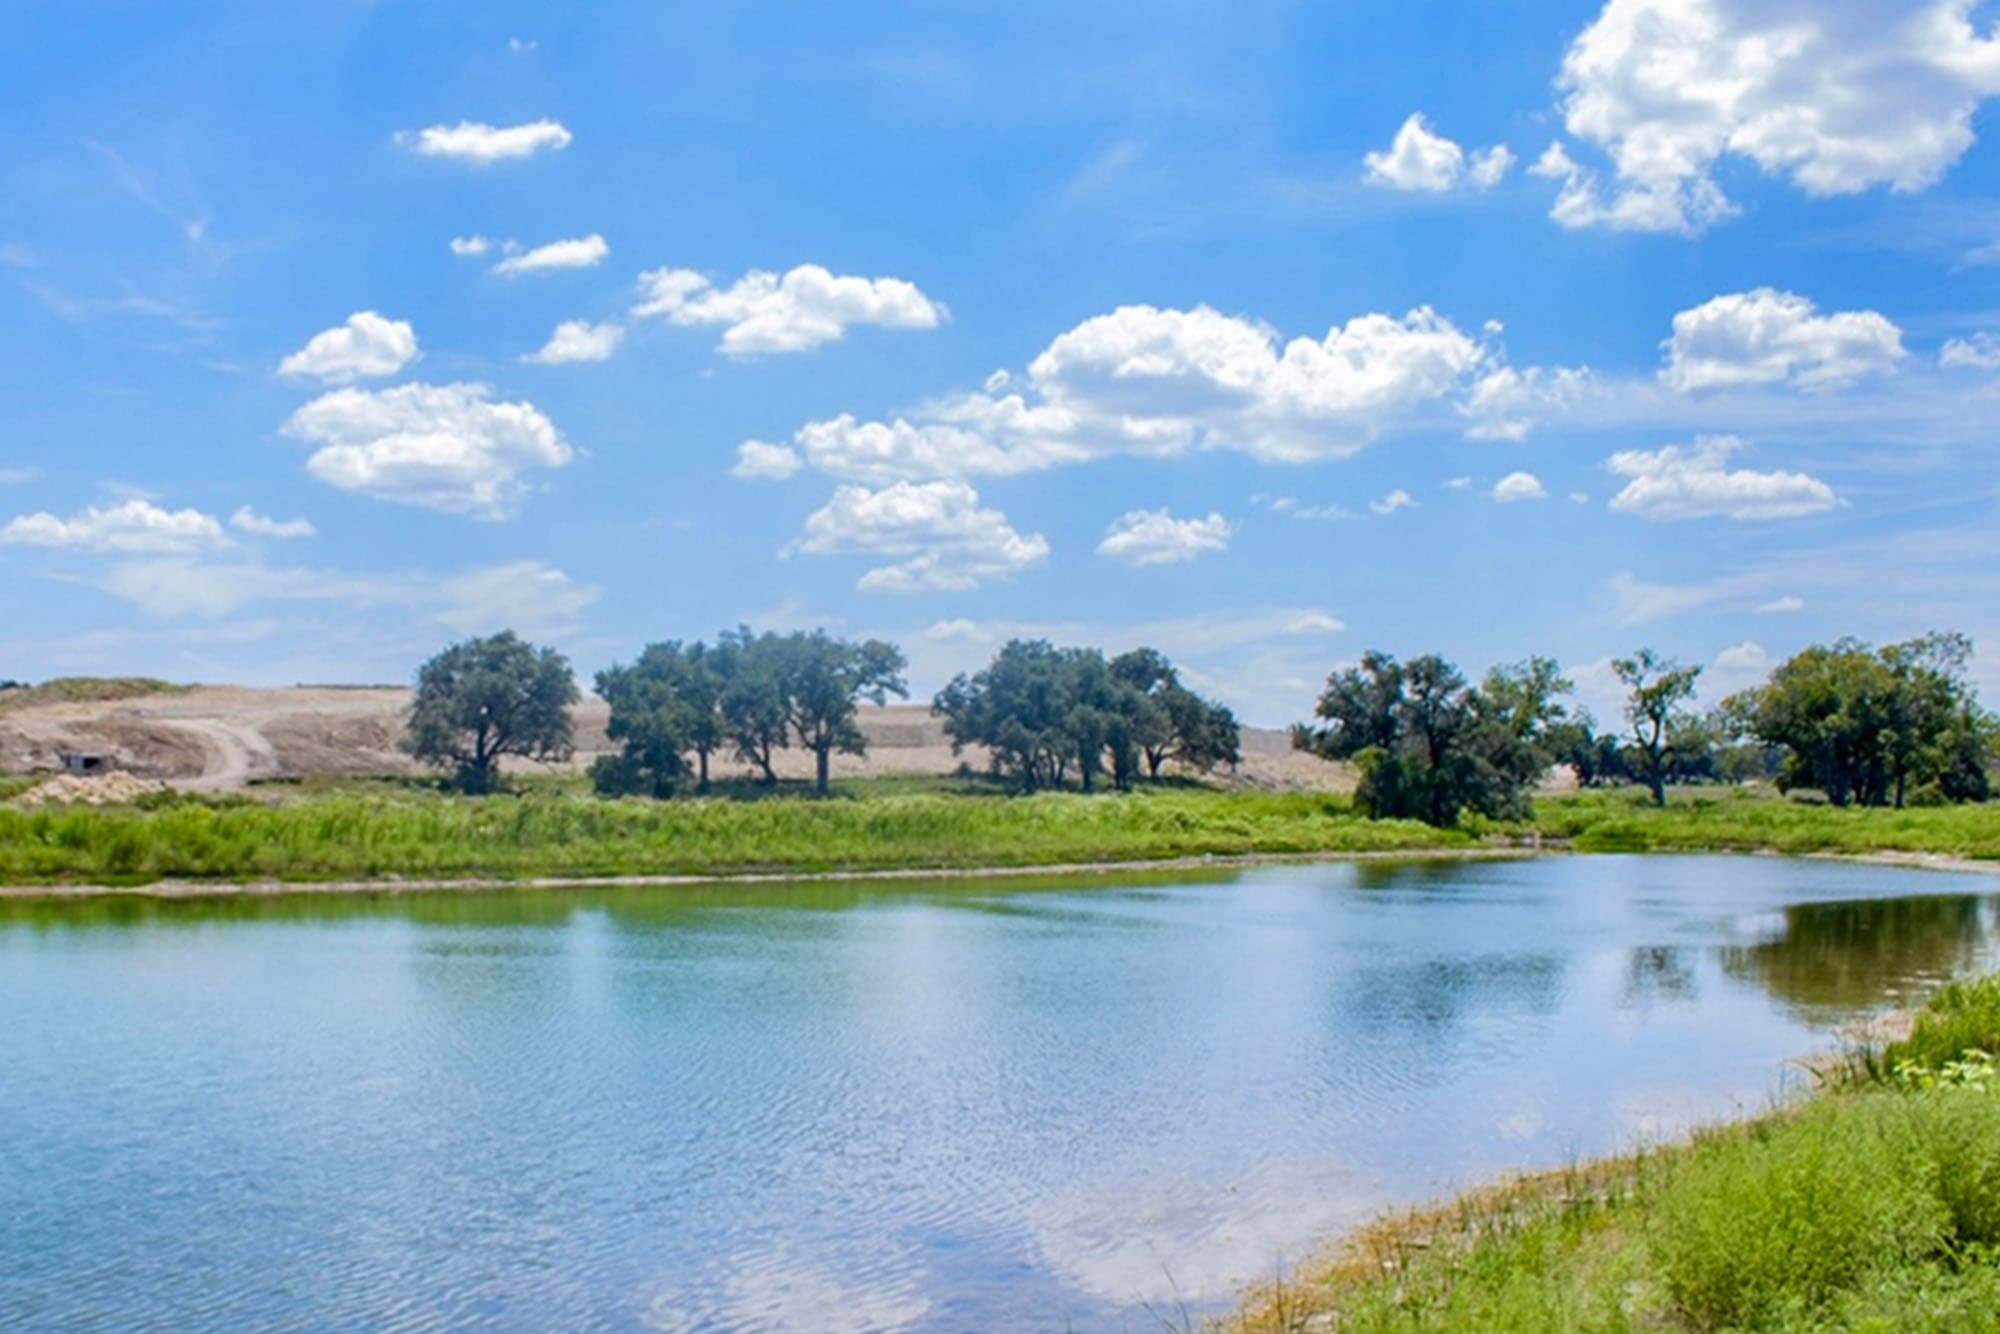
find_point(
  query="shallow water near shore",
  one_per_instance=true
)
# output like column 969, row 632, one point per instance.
column 973, row 1105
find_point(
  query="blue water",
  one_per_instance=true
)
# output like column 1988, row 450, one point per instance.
column 989, row 1105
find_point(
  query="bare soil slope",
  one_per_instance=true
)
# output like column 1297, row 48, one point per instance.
column 218, row 737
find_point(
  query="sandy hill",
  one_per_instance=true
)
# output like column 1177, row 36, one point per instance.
column 215, row 737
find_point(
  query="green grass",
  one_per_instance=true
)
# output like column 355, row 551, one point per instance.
column 1873, row 1206
column 1963, row 1018
column 388, row 829
column 1722, row 819
column 551, row 825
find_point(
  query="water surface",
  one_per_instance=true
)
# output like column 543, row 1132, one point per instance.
column 984, row 1105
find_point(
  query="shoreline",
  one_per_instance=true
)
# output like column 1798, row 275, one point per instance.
column 177, row 889
column 391, row 885
column 1338, row 1263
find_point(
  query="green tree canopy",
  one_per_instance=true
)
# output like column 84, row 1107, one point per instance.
column 1867, row 727
column 822, row 680
column 483, row 699
column 754, row 713
column 1042, row 711
column 664, row 706
column 1429, row 746
column 1656, row 708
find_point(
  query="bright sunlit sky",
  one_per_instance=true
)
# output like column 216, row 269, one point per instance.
column 1265, row 333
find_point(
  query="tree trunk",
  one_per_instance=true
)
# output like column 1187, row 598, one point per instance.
column 703, row 754
column 821, row 757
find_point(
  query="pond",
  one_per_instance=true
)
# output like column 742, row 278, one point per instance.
column 975, row 1105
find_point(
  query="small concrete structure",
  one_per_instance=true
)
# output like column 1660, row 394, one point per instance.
column 85, row 763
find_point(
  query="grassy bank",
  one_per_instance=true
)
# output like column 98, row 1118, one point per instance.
column 1752, row 820
column 1872, row 1206
column 410, row 832
column 348, row 830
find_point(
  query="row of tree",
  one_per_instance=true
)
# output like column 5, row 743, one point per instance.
column 751, row 693
column 1042, row 712
column 1864, row 726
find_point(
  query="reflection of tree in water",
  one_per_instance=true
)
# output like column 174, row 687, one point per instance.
column 1433, row 995
column 1659, row 973
column 1834, row 958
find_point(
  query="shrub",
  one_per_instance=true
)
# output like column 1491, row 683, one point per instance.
column 1962, row 1017
column 1757, row 1226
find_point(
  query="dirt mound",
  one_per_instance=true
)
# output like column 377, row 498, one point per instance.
column 112, row 789
column 222, row 737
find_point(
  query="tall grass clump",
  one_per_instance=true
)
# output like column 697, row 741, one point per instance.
column 1773, row 1223
column 1961, row 1019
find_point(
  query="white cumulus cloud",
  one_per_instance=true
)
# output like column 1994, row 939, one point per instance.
column 945, row 538
column 1519, row 486
column 757, row 460
column 479, row 143
column 1979, row 352
column 367, row 346
column 1156, row 537
column 1160, row 382
column 247, row 520
column 448, row 447
column 580, row 252
column 1772, row 337
column 763, row 312
column 1837, row 95
column 578, row 340
column 1169, row 380
column 1421, row 159
column 1395, row 500
column 133, row 525
column 469, row 245
column 1680, row 483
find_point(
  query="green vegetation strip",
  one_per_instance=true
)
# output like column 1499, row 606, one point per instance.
column 425, row 834
column 1873, row 1206
column 362, row 832
column 1708, row 819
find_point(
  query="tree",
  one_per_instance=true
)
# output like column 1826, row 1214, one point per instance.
column 1182, row 725
column 752, row 700
column 822, row 679
column 1427, row 745
column 1015, row 707
column 483, row 699
column 1521, row 703
column 1874, row 728
column 1039, row 710
column 663, row 706
column 1656, row 709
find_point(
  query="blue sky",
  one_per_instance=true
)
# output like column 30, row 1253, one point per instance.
column 332, row 331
